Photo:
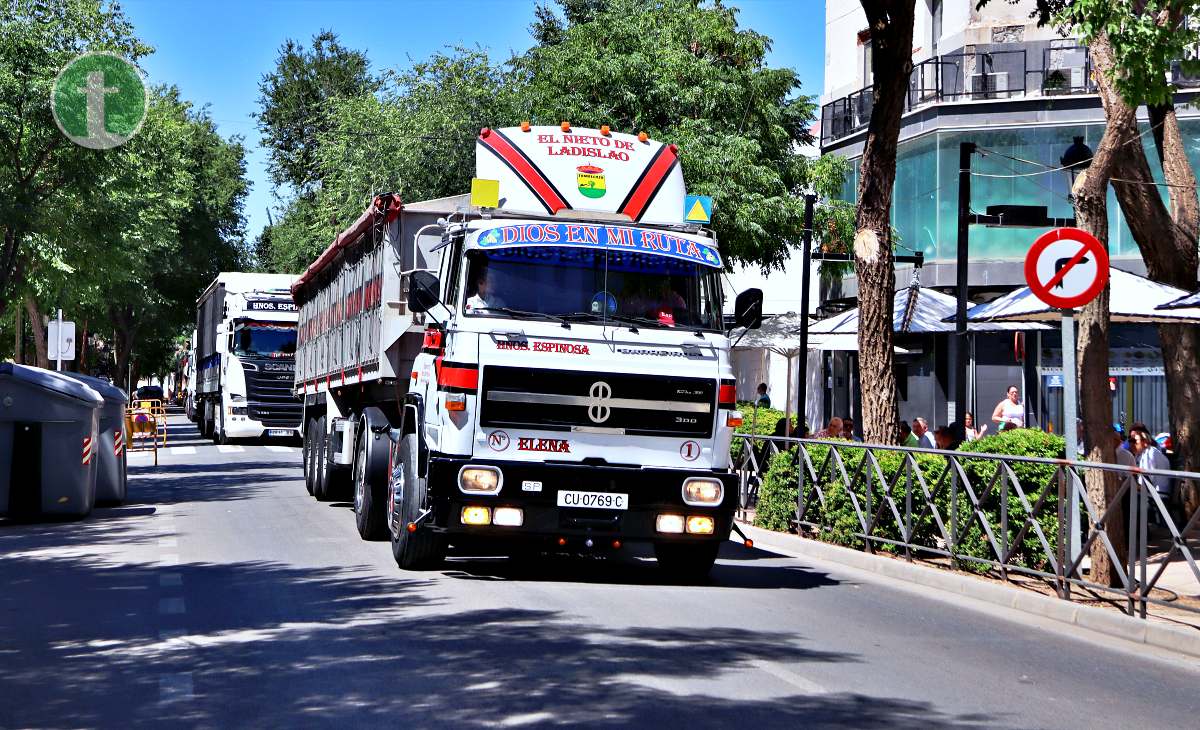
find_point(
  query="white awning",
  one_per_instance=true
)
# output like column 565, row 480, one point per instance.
column 1132, row 298
column 915, row 310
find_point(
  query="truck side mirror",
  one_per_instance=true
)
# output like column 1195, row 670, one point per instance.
column 747, row 309
column 423, row 288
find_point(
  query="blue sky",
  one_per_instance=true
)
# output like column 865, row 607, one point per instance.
column 216, row 51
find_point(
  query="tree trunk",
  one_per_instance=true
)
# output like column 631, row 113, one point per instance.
column 124, row 332
column 82, row 361
column 1090, row 196
column 38, row 324
column 9, row 270
column 19, row 343
column 1168, row 242
column 891, row 28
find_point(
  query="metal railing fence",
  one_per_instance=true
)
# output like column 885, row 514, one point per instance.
column 1007, row 515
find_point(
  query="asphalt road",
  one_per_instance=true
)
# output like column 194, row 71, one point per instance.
column 222, row 595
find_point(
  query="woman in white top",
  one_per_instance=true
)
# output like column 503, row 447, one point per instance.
column 969, row 426
column 1145, row 450
column 1009, row 412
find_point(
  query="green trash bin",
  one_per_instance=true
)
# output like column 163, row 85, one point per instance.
column 111, row 464
column 49, row 437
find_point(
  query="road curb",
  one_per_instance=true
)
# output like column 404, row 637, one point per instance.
column 1099, row 620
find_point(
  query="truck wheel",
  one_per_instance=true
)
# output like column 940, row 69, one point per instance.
column 370, row 479
column 422, row 549
column 221, row 437
column 320, row 463
column 202, row 421
column 687, row 561
column 307, row 451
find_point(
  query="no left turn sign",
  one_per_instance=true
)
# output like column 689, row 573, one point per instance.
column 1066, row 268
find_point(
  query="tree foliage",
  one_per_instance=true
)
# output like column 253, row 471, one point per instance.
column 295, row 99
column 121, row 239
column 681, row 70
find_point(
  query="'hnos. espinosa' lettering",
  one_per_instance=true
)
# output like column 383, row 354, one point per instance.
column 568, row 348
column 559, row 446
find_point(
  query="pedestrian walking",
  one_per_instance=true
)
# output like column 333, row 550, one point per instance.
column 832, row 431
column 969, row 429
column 1010, row 412
column 920, row 429
column 906, row 435
column 763, row 400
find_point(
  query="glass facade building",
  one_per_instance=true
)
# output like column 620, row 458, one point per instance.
column 925, row 204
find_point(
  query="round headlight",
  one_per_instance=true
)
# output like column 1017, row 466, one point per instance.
column 700, row 492
column 479, row 480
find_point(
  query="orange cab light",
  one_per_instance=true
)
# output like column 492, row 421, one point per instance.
column 734, row 419
column 525, row 126
column 748, row 543
column 565, row 126
column 412, row 527
column 562, row 541
column 605, row 130
column 485, row 132
column 616, row 544
column 643, row 137
column 456, row 402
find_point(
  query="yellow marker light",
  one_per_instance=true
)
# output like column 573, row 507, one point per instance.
column 456, row 402
column 700, row 525
column 733, row 419
column 525, row 126
column 479, row 480
column 669, row 523
column 565, row 126
column 643, row 137
column 476, row 516
column 605, row 130
column 485, row 193
column 508, row 517
column 702, row 491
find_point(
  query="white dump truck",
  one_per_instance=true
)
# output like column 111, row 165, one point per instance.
column 543, row 361
column 245, row 354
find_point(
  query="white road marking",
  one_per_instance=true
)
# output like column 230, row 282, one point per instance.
column 779, row 672
column 176, row 687
column 182, row 450
column 169, row 559
column 283, row 449
column 230, row 448
column 171, row 606
column 168, row 542
column 170, row 580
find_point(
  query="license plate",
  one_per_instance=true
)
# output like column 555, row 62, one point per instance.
column 280, row 432
column 593, row 500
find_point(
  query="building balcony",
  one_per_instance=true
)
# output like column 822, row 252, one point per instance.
column 998, row 72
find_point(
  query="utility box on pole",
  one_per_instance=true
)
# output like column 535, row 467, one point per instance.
column 60, row 340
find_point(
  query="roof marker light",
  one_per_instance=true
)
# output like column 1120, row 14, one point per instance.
column 643, row 137
column 525, row 126
column 605, row 130
column 485, row 132
column 565, row 126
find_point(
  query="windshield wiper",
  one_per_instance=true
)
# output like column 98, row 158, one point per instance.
column 525, row 314
column 633, row 320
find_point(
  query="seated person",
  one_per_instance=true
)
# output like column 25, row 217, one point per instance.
column 484, row 295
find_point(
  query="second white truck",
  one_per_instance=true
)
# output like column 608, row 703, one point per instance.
column 245, row 355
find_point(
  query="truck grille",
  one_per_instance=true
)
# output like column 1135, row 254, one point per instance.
column 563, row 400
column 269, row 395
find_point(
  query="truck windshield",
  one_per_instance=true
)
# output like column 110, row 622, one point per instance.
column 258, row 339
column 645, row 289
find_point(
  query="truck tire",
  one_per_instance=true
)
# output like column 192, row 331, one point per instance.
column 370, row 477
column 307, row 451
column 688, row 562
column 221, row 437
column 319, row 462
column 204, row 423
column 423, row 549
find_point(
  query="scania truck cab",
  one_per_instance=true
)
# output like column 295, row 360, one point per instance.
column 246, row 350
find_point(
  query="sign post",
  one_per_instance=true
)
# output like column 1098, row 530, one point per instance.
column 60, row 340
column 1066, row 268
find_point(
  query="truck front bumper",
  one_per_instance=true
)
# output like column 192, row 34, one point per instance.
column 651, row 492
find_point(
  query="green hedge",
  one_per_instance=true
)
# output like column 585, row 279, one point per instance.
column 760, row 422
column 839, row 520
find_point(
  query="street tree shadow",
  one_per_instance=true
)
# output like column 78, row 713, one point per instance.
column 84, row 643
